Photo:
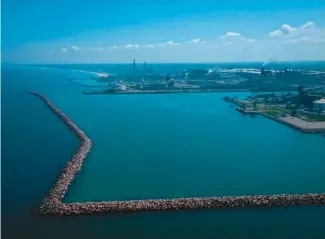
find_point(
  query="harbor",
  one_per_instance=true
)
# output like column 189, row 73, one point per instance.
column 170, row 119
column 53, row 205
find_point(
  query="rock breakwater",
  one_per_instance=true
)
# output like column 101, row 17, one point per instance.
column 186, row 203
column 53, row 205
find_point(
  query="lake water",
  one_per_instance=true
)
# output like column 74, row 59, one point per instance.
column 152, row 146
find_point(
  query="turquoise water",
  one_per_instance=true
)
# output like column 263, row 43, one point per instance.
column 152, row 146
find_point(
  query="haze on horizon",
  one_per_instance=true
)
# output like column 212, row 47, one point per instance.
column 95, row 31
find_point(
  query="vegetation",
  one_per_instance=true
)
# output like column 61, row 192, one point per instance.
column 271, row 113
column 315, row 118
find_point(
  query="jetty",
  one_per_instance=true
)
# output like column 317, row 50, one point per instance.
column 53, row 203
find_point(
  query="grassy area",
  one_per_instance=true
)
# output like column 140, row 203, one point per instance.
column 271, row 113
column 242, row 103
column 279, row 110
column 314, row 118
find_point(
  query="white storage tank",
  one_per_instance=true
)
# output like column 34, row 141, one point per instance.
column 319, row 104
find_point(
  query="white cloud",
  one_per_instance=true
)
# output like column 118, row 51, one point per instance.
column 289, row 42
column 195, row 41
column 95, row 48
column 112, row 47
column 132, row 46
column 275, row 34
column 307, row 32
column 78, row 48
column 250, row 40
column 75, row 48
column 149, row 46
column 285, row 29
column 71, row 49
column 234, row 34
column 307, row 25
column 297, row 40
column 293, row 40
column 172, row 43
column 169, row 43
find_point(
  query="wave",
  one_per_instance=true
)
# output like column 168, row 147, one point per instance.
column 100, row 74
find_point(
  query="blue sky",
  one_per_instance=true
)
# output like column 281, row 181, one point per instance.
column 77, row 31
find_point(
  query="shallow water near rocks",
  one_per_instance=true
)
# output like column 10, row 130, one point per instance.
column 153, row 146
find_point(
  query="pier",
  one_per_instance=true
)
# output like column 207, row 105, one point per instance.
column 53, row 204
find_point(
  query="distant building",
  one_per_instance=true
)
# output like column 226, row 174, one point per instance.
column 319, row 104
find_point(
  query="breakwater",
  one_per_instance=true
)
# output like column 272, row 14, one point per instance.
column 56, row 194
column 187, row 203
column 52, row 203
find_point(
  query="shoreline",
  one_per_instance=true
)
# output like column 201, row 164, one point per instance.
column 174, row 91
column 288, row 122
column 53, row 204
column 292, row 125
column 147, row 92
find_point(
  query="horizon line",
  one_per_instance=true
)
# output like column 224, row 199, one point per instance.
column 142, row 62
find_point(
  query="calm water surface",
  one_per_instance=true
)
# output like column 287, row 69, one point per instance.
column 152, row 146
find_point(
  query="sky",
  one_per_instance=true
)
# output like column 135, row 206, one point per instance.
column 99, row 31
